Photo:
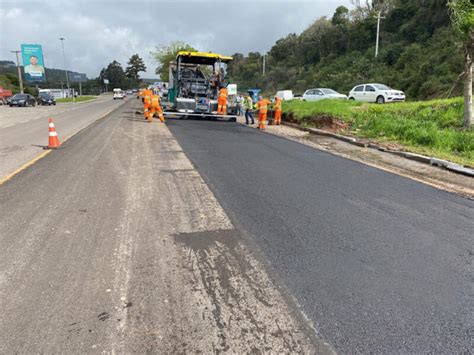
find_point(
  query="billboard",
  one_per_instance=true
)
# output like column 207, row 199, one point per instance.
column 77, row 77
column 33, row 64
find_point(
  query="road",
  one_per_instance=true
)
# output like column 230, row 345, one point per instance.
column 378, row 262
column 115, row 244
column 211, row 237
column 24, row 130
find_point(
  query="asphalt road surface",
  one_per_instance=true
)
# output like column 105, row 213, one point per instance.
column 377, row 262
column 24, row 130
column 115, row 244
column 211, row 237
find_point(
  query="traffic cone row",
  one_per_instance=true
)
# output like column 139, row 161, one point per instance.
column 53, row 136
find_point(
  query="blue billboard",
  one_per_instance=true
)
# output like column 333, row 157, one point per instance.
column 33, row 63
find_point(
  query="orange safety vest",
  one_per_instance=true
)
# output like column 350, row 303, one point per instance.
column 277, row 105
column 155, row 100
column 147, row 96
column 262, row 106
column 223, row 93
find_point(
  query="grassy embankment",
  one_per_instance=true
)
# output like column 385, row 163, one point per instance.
column 78, row 99
column 432, row 127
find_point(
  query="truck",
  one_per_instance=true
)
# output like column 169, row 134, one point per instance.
column 194, row 82
column 4, row 96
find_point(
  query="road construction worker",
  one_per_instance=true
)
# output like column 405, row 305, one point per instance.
column 155, row 107
column 222, row 101
column 248, row 105
column 277, row 110
column 146, row 101
column 262, row 107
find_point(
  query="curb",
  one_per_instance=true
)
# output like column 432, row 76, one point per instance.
column 444, row 164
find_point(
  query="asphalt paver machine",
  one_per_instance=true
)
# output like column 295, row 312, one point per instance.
column 194, row 82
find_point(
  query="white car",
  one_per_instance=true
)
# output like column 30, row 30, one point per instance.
column 322, row 93
column 285, row 95
column 378, row 93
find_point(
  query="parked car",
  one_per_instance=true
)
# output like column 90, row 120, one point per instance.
column 285, row 95
column 378, row 93
column 45, row 99
column 322, row 93
column 297, row 97
column 22, row 100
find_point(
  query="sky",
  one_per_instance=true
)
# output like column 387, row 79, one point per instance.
column 97, row 32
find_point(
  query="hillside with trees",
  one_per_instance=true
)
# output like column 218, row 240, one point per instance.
column 419, row 53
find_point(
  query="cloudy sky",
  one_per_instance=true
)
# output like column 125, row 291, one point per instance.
column 100, row 31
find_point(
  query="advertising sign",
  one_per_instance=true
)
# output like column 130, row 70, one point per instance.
column 77, row 77
column 106, row 81
column 33, row 64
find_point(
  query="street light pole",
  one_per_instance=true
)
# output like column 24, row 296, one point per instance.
column 20, row 79
column 379, row 17
column 65, row 67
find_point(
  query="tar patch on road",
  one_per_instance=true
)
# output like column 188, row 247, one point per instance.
column 205, row 240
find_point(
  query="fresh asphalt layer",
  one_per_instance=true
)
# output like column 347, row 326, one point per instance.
column 378, row 262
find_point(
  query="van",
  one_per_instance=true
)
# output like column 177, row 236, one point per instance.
column 285, row 95
column 118, row 94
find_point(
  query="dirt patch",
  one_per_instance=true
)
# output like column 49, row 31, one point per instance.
column 327, row 123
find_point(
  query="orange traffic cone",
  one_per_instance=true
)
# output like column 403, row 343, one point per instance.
column 53, row 136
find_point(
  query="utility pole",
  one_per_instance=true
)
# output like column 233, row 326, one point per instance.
column 65, row 68
column 263, row 72
column 379, row 17
column 20, row 79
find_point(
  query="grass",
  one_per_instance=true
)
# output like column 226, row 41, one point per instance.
column 430, row 127
column 78, row 99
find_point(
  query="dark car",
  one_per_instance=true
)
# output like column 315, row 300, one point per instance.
column 22, row 100
column 46, row 99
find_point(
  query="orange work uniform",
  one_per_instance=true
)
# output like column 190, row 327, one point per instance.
column 147, row 94
column 222, row 102
column 262, row 107
column 277, row 108
column 155, row 107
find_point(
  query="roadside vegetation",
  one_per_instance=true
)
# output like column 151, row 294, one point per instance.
column 431, row 127
column 78, row 99
column 420, row 52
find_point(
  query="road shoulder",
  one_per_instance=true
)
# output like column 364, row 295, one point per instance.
column 426, row 174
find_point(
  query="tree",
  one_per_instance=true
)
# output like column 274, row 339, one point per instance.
column 135, row 66
column 341, row 16
column 165, row 54
column 115, row 74
column 462, row 17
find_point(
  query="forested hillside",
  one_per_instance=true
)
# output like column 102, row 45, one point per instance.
column 419, row 52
